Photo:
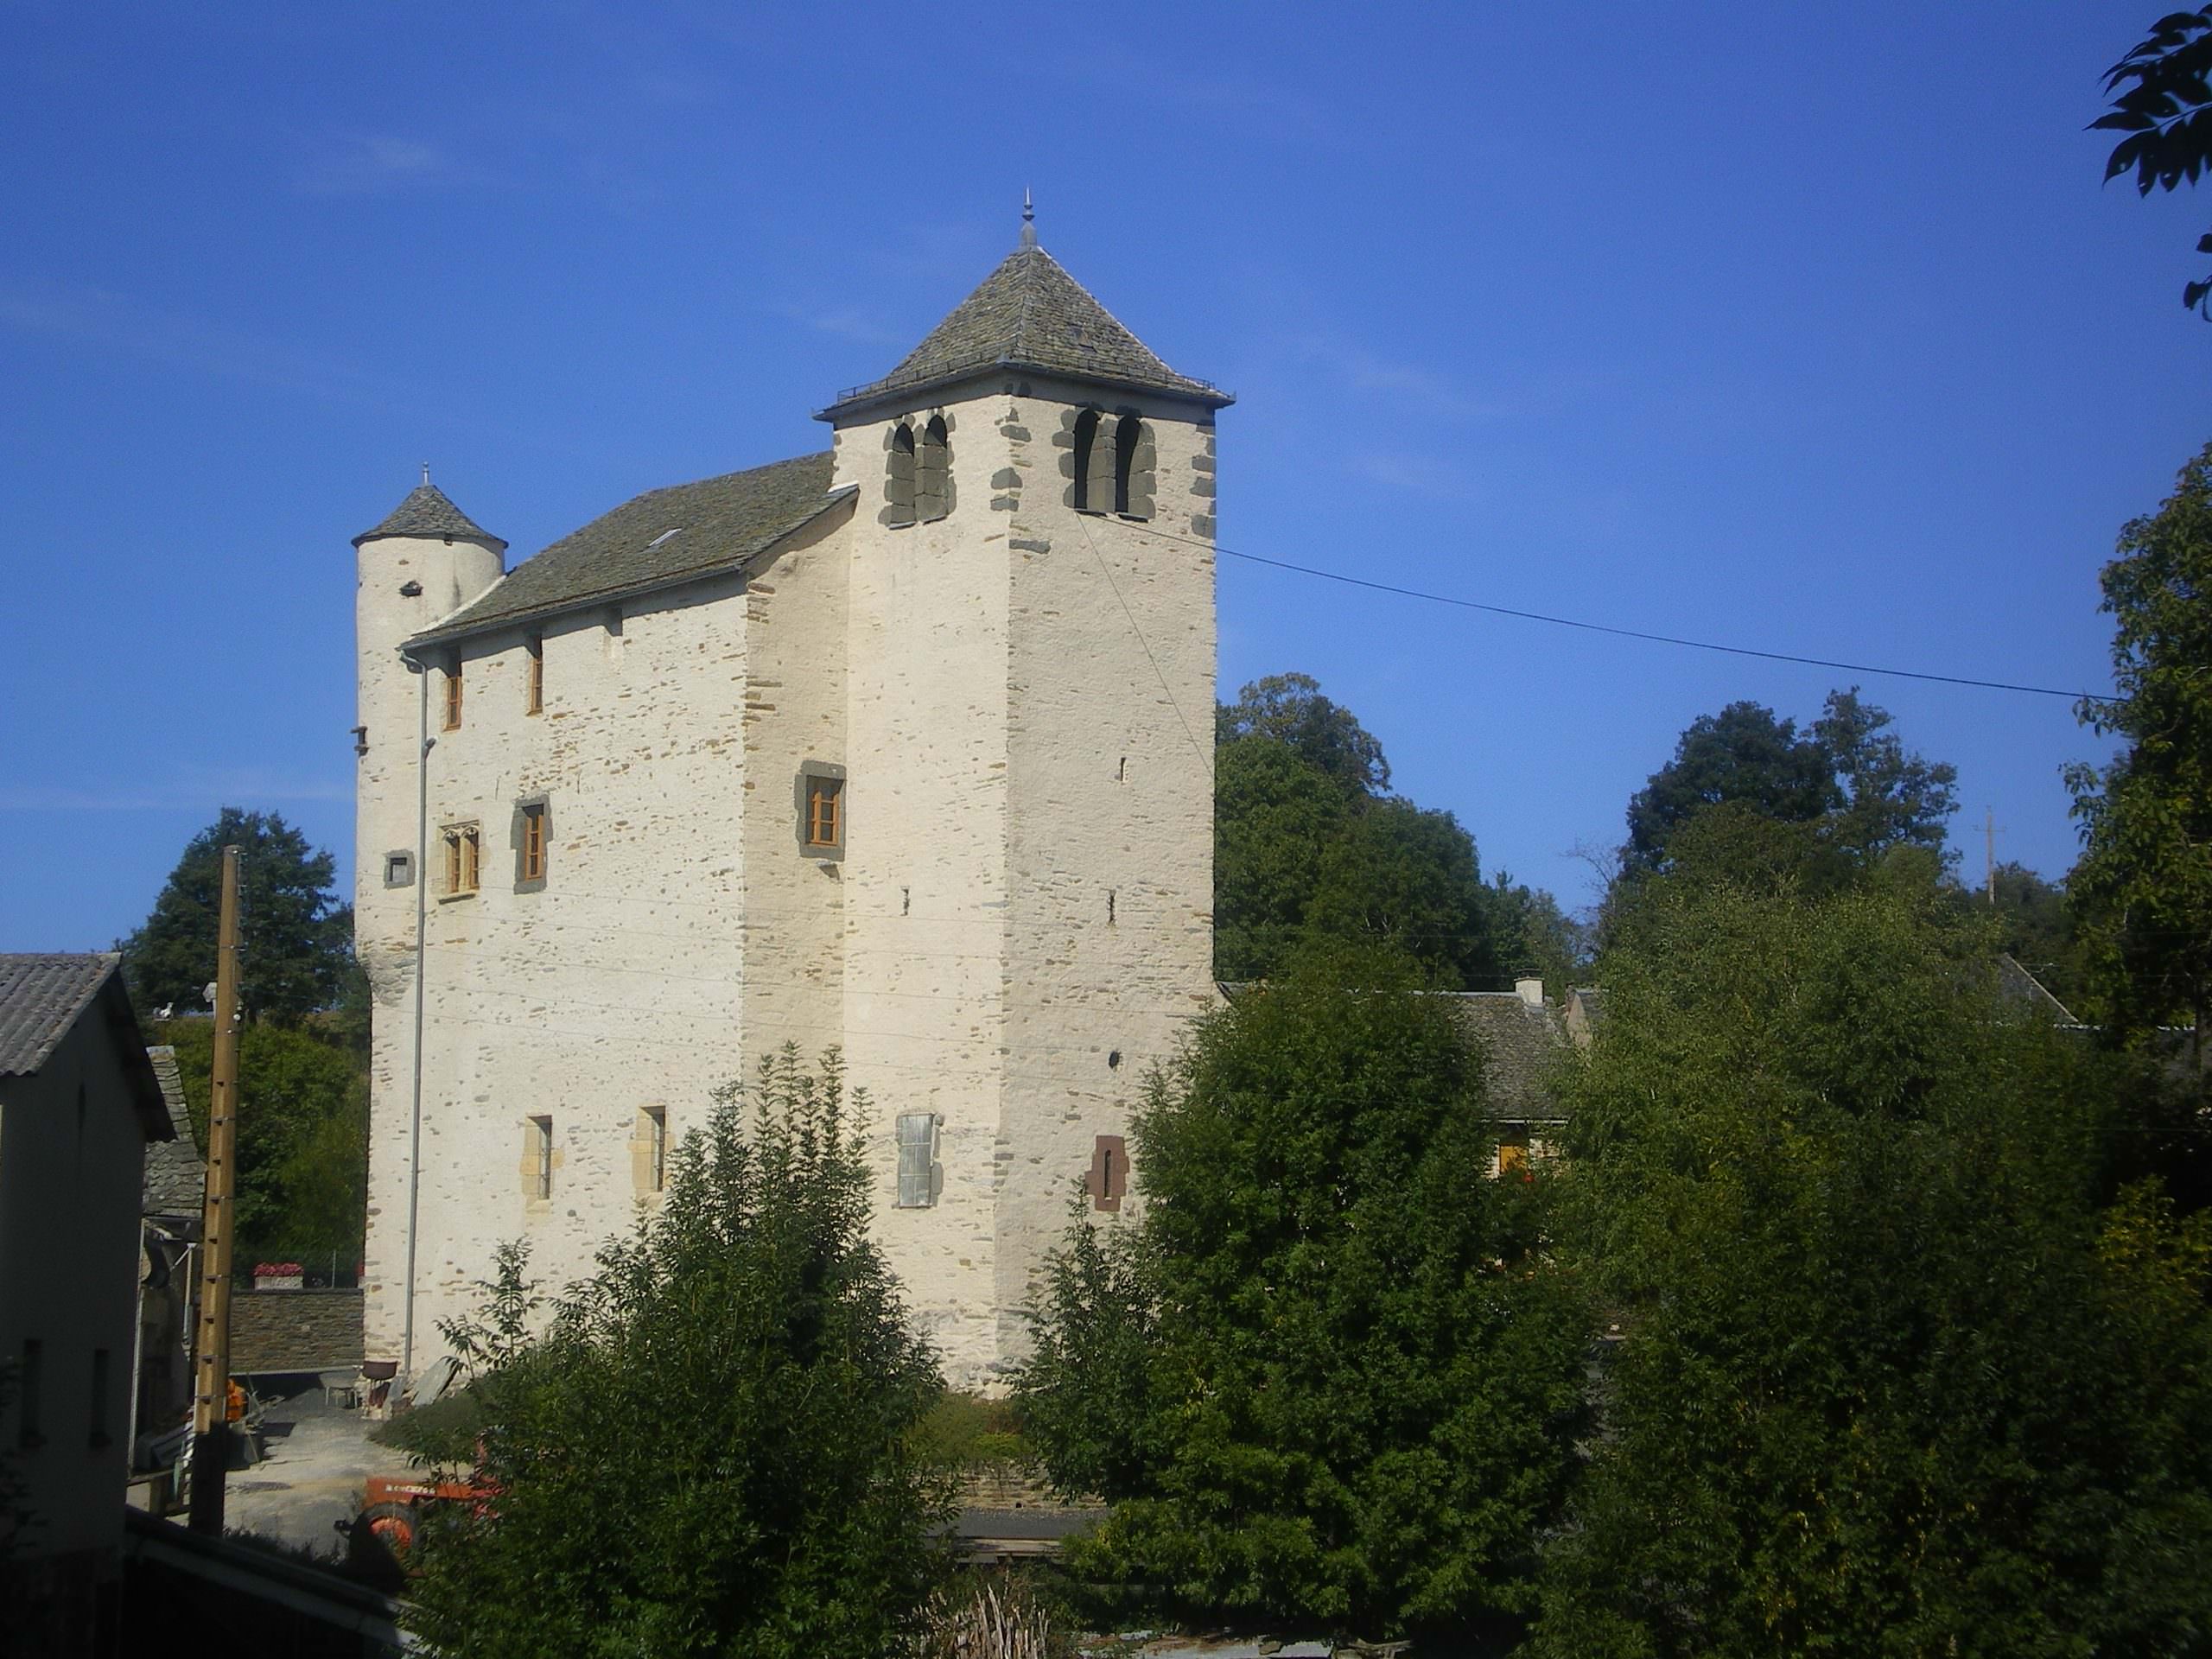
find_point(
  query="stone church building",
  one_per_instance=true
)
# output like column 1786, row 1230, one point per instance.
column 904, row 745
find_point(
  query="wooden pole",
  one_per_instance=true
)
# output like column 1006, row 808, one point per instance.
column 211, row 1428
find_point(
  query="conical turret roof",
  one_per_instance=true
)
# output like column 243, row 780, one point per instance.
column 1030, row 314
column 428, row 512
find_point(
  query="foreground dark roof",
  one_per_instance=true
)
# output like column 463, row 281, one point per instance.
column 1030, row 314
column 40, row 998
column 427, row 511
column 655, row 540
column 43, row 997
column 176, row 1177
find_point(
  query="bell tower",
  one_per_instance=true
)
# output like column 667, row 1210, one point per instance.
column 1030, row 671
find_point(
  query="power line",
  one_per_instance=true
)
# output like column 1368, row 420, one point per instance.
column 1622, row 633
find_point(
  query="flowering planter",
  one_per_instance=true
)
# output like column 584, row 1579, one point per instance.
column 280, row 1276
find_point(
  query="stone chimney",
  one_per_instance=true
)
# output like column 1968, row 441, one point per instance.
column 1531, row 991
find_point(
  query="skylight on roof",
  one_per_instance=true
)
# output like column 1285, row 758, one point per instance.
column 662, row 537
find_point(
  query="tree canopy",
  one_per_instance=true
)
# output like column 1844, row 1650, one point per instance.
column 710, row 1449
column 1319, row 1371
column 2162, row 99
column 1849, row 779
column 2144, row 884
column 296, row 937
column 1891, row 1377
column 1309, row 845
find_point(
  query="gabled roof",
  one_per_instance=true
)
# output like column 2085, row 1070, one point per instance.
column 44, row 996
column 1522, row 1042
column 427, row 511
column 175, row 1178
column 656, row 540
column 1030, row 314
column 40, row 998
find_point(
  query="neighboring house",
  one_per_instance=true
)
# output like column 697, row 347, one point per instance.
column 170, row 1214
column 78, row 1103
column 1523, row 1038
column 904, row 746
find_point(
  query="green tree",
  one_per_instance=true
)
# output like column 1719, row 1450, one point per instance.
column 1321, row 1371
column 302, row 1136
column 1309, row 845
column 1849, row 778
column 711, row 1448
column 295, row 936
column 1289, row 709
column 1890, row 1381
column 2144, row 884
column 2165, row 110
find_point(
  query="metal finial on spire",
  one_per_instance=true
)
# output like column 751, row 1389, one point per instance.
column 426, row 472
column 1029, row 219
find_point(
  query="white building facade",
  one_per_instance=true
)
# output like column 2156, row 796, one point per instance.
column 904, row 748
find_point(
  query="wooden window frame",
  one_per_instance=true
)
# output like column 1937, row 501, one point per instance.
column 533, row 694
column 819, row 804
column 453, row 697
column 532, row 838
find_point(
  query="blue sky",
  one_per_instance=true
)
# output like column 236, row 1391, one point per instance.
column 1807, row 328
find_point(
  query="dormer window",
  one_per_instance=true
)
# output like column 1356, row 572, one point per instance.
column 898, row 477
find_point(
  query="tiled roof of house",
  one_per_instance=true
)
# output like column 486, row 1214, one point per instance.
column 176, row 1177
column 40, row 997
column 44, row 996
column 427, row 511
column 655, row 540
column 1522, row 1043
column 1030, row 314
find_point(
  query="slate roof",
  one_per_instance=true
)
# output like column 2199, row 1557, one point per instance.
column 655, row 540
column 176, row 1177
column 1522, row 1043
column 44, row 996
column 428, row 510
column 40, row 997
column 1030, row 314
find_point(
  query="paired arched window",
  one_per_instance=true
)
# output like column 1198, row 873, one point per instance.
column 917, row 475
column 932, row 484
column 1113, row 465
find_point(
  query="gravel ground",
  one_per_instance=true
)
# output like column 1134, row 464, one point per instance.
column 318, row 1457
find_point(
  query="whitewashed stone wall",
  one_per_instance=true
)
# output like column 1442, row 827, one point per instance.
column 1021, row 697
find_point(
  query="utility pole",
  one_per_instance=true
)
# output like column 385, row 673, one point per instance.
column 210, row 1427
column 1989, row 856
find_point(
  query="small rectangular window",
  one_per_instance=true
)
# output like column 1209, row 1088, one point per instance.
column 534, row 676
column 399, row 869
column 656, row 1149
column 98, row 1435
column 452, row 696
column 1513, row 1158
column 541, row 1147
column 531, row 863
column 464, row 858
column 29, row 1431
column 823, row 799
column 1109, row 1179
column 916, row 1160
